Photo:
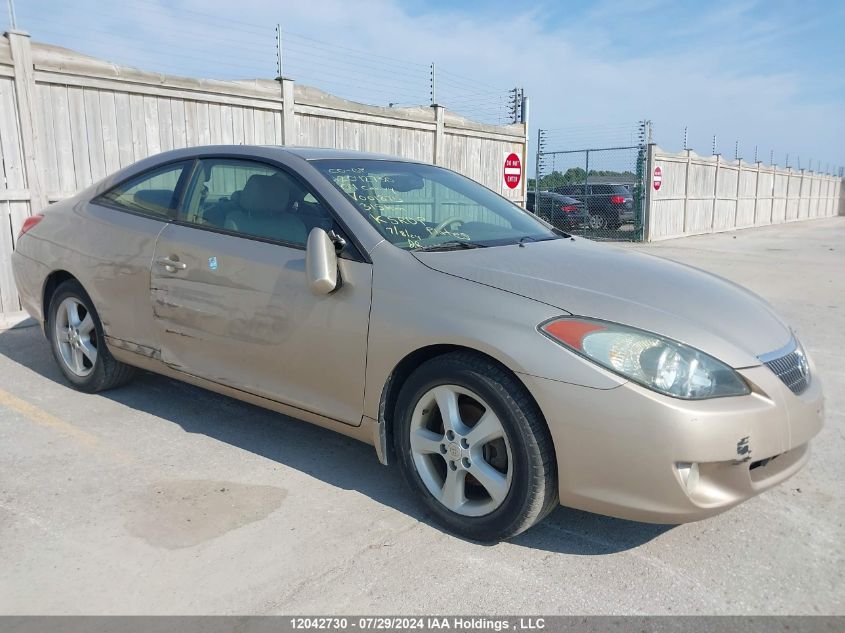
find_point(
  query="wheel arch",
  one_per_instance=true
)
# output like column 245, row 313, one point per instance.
column 51, row 283
column 405, row 367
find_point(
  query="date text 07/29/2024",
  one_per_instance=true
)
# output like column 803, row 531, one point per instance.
column 406, row 623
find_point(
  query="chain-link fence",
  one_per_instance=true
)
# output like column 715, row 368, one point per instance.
column 595, row 189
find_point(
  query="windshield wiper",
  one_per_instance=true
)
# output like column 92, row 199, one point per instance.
column 522, row 239
column 449, row 245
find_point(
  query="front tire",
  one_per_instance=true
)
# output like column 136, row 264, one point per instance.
column 78, row 343
column 474, row 446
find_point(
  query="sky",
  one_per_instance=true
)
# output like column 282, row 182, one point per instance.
column 761, row 73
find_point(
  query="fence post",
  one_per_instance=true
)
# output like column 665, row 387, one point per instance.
column 686, row 188
column 826, row 181
column 21, row 49
column 774, row 170
column 288, row 116
column 811, row 177
column 438, row 134
column 646, row 196
column 828, row 203
column 738, row 185
column 587, row 195
column 756, row 193
column 524, row 121
column 840, row 193
column 715, row 194
column 537, row 174
column 786, row 204
column 801, row 197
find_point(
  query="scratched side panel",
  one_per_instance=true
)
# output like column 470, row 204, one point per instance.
column 119, row 248
column 251, row 322
column 109, row 252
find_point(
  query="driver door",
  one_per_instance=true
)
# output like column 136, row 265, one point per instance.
column 231, row 299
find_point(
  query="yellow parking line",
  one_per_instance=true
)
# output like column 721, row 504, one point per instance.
column 48, row 420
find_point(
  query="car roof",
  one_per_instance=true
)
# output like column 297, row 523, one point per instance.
column 305, row 153
column 323, row 153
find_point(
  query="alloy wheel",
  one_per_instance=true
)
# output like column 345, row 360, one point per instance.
column 597, row 222
column 76, row 337
column 461, row 451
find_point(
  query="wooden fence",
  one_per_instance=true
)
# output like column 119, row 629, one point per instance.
column 68, row 120
column 708, row 194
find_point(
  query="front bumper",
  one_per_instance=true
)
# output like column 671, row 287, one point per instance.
column 619, row 450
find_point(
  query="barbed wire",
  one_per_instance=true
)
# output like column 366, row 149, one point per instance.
column 592, row 136
column 752, row 153
column 199, row 44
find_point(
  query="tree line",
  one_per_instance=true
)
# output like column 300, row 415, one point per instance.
column 576, row 175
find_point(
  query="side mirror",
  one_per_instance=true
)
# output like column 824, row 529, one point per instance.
column 321, row 263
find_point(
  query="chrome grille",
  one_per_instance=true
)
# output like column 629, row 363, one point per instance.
column 792, row 368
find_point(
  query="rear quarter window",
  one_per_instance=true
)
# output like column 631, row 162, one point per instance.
column 155, row 192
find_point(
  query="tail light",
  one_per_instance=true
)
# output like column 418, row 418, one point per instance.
column 569, row 208
column 30, row 222
column 617, row 199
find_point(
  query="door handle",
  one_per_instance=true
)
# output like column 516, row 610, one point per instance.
column 171, row 265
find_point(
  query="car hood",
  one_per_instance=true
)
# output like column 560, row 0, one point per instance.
column 586, row 278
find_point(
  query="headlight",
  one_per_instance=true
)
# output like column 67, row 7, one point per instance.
column 653, row 361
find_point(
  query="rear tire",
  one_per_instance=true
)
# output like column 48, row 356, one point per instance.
column 78, row 343
column 486, row 469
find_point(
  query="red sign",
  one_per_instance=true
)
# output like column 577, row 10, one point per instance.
column 513, row 171
column 658, row 178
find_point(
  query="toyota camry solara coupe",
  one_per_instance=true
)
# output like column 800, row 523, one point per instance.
column 505, row 366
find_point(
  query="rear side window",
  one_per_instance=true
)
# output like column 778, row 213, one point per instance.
column 154, row 192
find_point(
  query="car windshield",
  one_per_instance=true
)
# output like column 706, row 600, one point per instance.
column 418, row 207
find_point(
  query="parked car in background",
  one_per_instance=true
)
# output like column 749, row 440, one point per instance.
column 608, row 206
column 504, row 366
column 558, row 210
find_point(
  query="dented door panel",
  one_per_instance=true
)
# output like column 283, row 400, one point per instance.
column 239, row 312
column 111, row 258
